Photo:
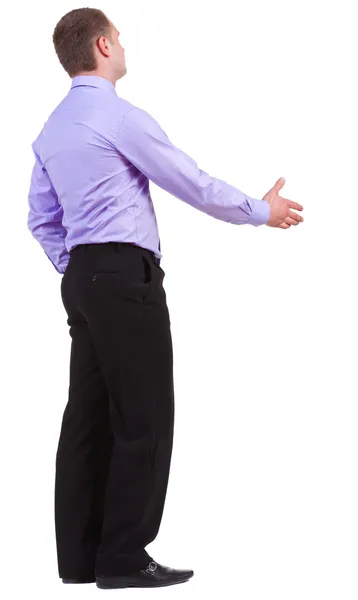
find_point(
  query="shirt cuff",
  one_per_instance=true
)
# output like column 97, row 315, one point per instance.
column 260, row 212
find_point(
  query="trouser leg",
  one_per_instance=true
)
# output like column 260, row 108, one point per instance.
column 131, row 332
column 83, row 456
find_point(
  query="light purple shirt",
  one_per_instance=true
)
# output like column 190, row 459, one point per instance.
column 94, row 158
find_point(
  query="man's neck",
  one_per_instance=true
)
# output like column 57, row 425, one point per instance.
column 96, row 74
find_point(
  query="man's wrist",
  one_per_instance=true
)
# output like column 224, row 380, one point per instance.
column 260, row 212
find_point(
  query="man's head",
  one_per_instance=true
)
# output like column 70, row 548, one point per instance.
column 86, row 43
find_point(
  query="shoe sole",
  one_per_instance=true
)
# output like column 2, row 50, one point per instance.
column 67, row 580
column 124, row 583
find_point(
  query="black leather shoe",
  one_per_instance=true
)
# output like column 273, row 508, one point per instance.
column 71, row 580
column 153, row 575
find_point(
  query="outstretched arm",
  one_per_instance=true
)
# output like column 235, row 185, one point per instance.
column 143, row 142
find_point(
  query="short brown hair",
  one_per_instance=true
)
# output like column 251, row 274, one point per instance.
column 74, row 35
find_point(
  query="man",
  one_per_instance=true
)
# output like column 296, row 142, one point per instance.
column 90, row 209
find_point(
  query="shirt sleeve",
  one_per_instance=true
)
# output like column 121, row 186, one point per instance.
column 45, row 216
column 142, row 141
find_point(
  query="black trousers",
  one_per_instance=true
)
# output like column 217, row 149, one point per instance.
column 115, row 445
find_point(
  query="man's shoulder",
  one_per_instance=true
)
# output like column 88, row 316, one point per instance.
column 133, row 114
column 129, row 110
column 124, row 104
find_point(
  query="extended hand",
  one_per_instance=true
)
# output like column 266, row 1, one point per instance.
column 281, row 214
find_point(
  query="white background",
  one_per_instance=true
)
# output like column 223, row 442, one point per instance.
column 263, row 495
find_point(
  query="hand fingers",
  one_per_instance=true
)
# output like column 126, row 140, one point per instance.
column 284, row 226
column 295, row 216
column 291, row 221
column 279, row 184
column 294, row 205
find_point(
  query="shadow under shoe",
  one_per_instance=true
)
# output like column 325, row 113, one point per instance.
column 73, row 580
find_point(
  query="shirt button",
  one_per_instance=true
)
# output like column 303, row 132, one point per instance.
column 94, row 278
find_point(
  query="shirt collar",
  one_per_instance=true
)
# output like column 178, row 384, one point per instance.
column 93, row 81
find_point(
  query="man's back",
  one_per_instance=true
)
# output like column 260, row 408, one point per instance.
column 101, row 195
